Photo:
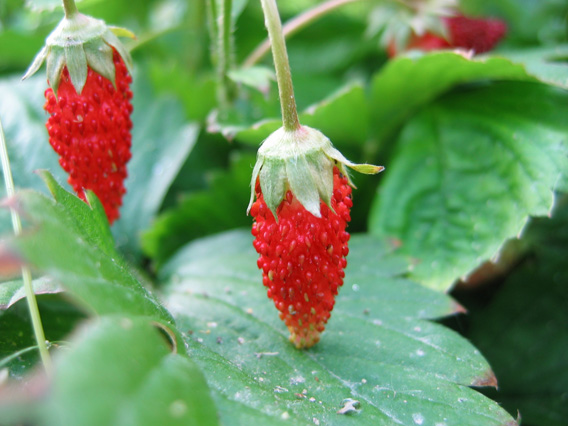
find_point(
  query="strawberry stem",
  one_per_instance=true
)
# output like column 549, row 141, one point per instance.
column 290, row 119
column 294, row 25
column 211, row 10
column 224, row 52
column 70, row 8
column 26, row 274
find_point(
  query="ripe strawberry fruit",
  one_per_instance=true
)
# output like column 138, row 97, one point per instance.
column 479, row 35
column 91, row 133
column 89, row 74
column 302, row 258
column 302, row 207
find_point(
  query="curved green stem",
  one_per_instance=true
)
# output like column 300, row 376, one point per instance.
column 224, row 53
column 294, row 25
column 26, row 274
column 70, row 8
column 290, row 119
column 211, row 10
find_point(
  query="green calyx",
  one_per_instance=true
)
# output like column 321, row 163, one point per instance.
column 302, row 161
column 79, row 42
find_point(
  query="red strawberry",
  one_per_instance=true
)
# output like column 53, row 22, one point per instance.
column 91, row 133
column 302, row 258
column 302, row 206
column 479, row 35
column 89, row 74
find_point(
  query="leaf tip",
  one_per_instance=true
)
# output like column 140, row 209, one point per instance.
column 487, row 380
column 457, row 308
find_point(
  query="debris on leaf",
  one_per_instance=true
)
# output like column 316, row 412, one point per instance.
column 349, row 406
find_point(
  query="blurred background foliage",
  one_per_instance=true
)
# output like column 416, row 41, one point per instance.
column 517, row 316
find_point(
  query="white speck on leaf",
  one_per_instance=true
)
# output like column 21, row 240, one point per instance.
column 349, row 406
column 418, row 418
column 178, row 408
column 297, row 380
column 126, row 323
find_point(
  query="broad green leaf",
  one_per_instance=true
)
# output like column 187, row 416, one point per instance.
column 202, row 213
column 468, row 172
column 407, row 83
column 523, row 331
column 132, row 378
column 71, row 242
column 343, row 117
column 378, row 349
column 13, row 291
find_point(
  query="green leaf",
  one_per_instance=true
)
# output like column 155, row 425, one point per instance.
column 467, row 174
column 161, row 142
column 13, row 291
column 258, row 77
column 132, row 379
column 405, row 84
column 71, row 242
column 202, row 213
column 523, row 330
column 378, row 348
column 546, row 63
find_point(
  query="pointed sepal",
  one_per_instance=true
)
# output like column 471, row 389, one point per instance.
column 301, row 161
column 80, row 42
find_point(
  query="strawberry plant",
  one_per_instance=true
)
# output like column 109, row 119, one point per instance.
column 433, row 293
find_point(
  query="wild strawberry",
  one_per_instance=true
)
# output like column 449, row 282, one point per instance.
column 302, row 258
column 88, row 71
column 302, row 207
column 91, row 133
column 479, row 35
